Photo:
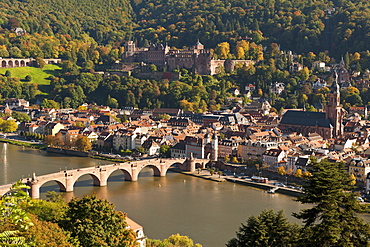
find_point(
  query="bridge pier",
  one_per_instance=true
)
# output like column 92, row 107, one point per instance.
column 69, row 182
column 35, row 190
column 163, row 170
column 134, row 173
column 103, row 178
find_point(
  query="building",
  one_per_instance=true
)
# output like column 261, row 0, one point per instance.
column 328, row 124
column 360, row 168
column 138, row 230
column 197, row 58
column 273, row 159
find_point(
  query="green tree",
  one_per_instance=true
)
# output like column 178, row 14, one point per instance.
column 183, row 241
column 267, row 229
column 21, row 117
column 95, row 223
column 332, row 219
column 28, row 78
column 165, row 150
column 172, row 241
column 40, row 63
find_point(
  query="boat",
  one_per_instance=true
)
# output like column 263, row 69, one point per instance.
column 272, row 190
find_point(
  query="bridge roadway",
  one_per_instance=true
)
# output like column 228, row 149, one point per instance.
column 100, row 174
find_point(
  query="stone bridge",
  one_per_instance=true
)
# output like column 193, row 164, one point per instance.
column 100, row 174
column 23, row 62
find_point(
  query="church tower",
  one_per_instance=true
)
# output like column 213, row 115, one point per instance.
column 334, row 109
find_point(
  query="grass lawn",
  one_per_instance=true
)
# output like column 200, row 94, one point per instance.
column 39, row 76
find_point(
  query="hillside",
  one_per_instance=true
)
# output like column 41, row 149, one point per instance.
column 300, row 26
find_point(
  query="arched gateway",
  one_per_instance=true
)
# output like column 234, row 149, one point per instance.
column 100, row 174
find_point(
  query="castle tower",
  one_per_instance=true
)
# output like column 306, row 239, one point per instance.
column 129, row 52
column 334, row 109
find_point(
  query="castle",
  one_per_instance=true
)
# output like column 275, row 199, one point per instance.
column 196, row 59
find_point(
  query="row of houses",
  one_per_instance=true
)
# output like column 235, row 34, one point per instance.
column 249, row 133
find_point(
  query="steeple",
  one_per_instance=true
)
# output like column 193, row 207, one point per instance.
column 335, row 88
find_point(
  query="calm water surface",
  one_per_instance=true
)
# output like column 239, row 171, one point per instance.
column 208, row 212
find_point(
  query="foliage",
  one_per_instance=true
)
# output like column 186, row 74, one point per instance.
column 298, row 173
column 10, row 238
column 281, row 170
column 94, row 222
column 82, row 143
column 175, row 240
column 165, row 150
column 267, row 229
column 11, row 213
column 48, row 234
column 332, row 220
column 8, row 126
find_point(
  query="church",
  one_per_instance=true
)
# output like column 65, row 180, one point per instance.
column 328, row 124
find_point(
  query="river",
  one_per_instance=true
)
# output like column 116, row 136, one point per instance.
column 208, row 212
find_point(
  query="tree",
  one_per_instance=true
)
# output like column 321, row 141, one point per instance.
column 82, row 143
column 332, row 220
column 8, row 126
column 172, row 241
column 281, row 170
column 227, row 158
column 95, row 223
column 178, row 240
column 298, row 173
column 165, row 150
column 234, row 160
column 21, row 117
column 267, row 229
column 47, row 234
column 352, row 179
column 28, row 78
column 11, row 212
column 40, row 63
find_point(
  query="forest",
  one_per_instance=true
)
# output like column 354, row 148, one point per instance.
column 89, row 36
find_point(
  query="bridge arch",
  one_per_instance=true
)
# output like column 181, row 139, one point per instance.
column 96, row 179
column 155, row 169
column 126, row 173
column 3, row 64
column 16, row 63
column 35, row 187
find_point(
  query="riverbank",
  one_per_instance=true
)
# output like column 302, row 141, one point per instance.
column 23, row 143
column 247, row 182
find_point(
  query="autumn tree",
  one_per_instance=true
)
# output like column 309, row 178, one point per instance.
column 8, row 126
column 82, row 143
column 282, row 171
column 223, row 50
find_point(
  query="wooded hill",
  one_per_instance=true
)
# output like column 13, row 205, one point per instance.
column 301, row 26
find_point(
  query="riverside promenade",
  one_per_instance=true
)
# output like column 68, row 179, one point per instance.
column 204, row 174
